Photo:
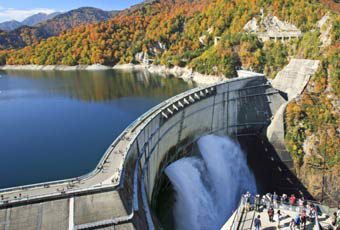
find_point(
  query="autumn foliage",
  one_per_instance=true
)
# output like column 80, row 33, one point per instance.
column 177, row 25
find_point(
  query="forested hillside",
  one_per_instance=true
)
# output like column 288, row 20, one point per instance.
column 20, row 37
column 183, row 32
column 313, row 120
column 29, row 35
column 177, row 26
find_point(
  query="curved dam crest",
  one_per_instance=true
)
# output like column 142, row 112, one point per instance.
column 128, row 177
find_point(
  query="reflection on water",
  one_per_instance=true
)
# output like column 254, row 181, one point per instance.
column 56, row 125
column 91, row 85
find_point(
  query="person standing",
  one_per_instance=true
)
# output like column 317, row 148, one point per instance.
column 312, row 214
column 334, row 219
column 271, row 214
column 247, row 201
column 264, row 202
column 257, row 203
column 303, row 219
column 257, row 223
column 275, row 200
column 285, row 198
column 270, row 197
column 297, row 221
column 292, row 224
column 277, row 218
column 292, row 200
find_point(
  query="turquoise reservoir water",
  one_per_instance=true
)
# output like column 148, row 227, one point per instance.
column 56, row 125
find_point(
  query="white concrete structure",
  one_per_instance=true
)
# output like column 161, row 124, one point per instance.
column 295, row 76
column 270, row 27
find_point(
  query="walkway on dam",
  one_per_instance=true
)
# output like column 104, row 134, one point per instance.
column 287, row 215
column 105, row 175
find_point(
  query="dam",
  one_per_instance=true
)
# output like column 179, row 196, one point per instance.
column 119, row 192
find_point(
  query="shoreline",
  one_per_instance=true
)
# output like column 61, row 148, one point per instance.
column 179, row 72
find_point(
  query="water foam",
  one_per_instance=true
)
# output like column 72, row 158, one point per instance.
column 208, row 187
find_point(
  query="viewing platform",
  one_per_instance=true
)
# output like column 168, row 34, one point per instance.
column 245, row 215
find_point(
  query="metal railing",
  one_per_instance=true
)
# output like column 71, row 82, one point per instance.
column 239, row 211
column 282, row 206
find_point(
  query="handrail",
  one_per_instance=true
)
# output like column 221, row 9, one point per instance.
column 317, row 224
column 238, row 214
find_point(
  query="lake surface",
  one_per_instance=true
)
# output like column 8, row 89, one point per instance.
column 57, row 125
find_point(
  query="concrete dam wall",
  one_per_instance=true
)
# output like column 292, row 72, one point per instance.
column 119, row 191
column 242, row 106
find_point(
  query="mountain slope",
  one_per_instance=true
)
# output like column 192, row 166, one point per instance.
column 178, row 26
column 21, row 37
column 26, row 35
column 37, row 18
column 10, row 25
column 74, row 18
column 30, row 21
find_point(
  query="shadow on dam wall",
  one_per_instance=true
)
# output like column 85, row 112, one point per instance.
column 163, row 195
column 271, row 175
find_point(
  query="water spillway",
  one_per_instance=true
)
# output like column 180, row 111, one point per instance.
column 208, row 187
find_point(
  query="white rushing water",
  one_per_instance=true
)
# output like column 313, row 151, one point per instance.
column 208, row 188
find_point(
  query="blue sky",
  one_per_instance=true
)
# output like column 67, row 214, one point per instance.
column 20, row 9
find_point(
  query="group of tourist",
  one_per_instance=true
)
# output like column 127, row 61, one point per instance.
column 275, row 201
column 306, row 211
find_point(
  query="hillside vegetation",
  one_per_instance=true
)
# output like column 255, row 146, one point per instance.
column 178, row 25
column 313, row 121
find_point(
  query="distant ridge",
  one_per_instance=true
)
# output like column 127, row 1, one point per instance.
column 73, row 18
column 10, row 25
column 38, row 18
column 29, row 21
column 51, row 25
